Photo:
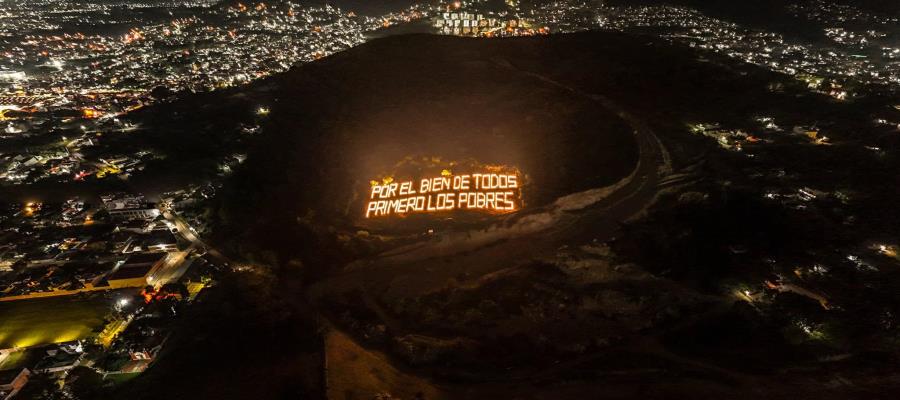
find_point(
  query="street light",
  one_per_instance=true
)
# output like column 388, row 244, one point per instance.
column 121, row 303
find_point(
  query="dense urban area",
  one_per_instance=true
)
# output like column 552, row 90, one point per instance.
column 106, row 222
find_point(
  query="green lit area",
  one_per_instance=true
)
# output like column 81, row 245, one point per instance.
column 37, row 322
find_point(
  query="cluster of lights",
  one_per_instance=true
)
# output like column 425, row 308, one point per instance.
column 491, row 192
column 843, row 63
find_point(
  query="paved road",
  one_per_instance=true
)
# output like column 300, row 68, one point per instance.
column 175, row 265
column 177, row 262
column 601, row 219
column 185, row 230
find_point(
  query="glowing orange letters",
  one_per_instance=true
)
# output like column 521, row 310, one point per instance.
column 490, row 192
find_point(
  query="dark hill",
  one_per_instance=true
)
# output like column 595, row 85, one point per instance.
column 354, row 117
column 557, row 313
column 410, row 105
column 401, row 105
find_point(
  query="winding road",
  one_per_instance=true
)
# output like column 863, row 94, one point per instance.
column 583, row 217
column 593, row 214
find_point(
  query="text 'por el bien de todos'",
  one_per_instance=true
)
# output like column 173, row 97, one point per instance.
column 490, row 192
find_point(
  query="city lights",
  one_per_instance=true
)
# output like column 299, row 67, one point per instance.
column 565, row 199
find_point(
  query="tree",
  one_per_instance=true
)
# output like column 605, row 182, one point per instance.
column 40, row 387
column 101, row 216
column 176, row 288
column 161, row 93
column 84, row 383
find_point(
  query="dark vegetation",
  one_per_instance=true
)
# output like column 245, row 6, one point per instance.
column 339, row 123
column 659, row 313
column 245, row 338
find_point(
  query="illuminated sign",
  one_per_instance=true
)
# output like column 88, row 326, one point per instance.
column 489, row 192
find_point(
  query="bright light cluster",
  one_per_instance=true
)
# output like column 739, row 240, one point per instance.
column 491, row 192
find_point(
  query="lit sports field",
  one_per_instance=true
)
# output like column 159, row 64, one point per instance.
column 34, row 322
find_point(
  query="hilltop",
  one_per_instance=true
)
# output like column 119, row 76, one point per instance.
column 617, row 279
